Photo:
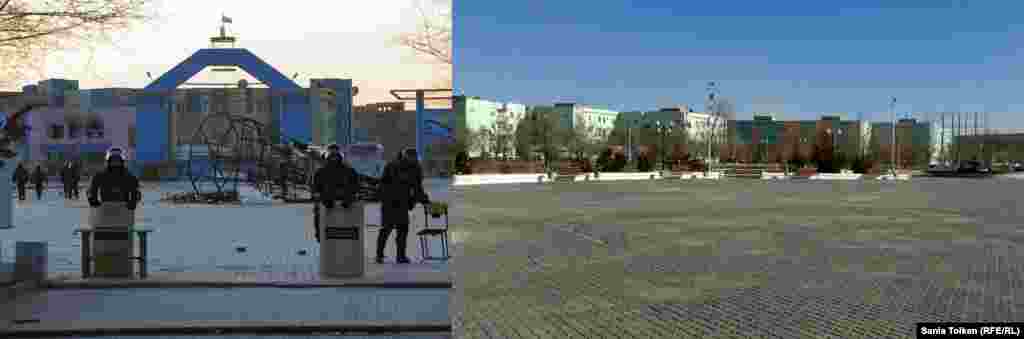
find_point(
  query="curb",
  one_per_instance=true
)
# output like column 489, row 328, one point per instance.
column 126, row 328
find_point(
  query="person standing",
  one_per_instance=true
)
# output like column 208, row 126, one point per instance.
column 285, row 172
column 76, row 178
column 336, row 182
column 401, row 187
column 39, row 179
column 115, row 183
column 21, row 177
column 65, row 179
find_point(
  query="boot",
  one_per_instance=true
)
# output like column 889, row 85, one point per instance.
column 400, row 242
column 382, row 243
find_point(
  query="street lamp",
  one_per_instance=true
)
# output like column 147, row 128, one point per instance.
column 892, row 113
column 629, row 141
column 838, row 132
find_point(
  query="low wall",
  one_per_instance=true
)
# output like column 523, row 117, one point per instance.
column 480, row 166
column 774, row 175
column 713, row 175
column 837, row 176
column 483, row 179
column 613, row 176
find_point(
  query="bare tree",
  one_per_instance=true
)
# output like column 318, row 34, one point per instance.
column 720, row 110
column 433, row 37
column 580, row 139
column 540, row 131
column 501, row 136
column 29, row 30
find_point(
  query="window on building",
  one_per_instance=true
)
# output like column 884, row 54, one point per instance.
column 56, row 131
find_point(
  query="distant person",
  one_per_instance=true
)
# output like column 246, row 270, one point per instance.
column 401, row 187
column 66, row 178
column 21, row 177
column 335, row 183
column 115, row 183
column 39, row 179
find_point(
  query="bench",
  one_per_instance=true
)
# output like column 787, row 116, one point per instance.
column 88, row 237
column 568, row 173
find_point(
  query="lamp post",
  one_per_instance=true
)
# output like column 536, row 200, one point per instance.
column 629, row 141
column 892, row 113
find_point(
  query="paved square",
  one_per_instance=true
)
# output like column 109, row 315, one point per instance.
column 782, row 259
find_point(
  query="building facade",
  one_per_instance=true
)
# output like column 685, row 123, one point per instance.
column 765, row 139
column 485, row 118
column 600, row 121
column 84, row 123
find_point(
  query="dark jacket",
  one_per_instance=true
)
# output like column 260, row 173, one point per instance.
column 76, row 173
column 67, row 174
column 401, row 187
column 20, row 175
column 336, row 182
column 38, row 177
column 115, row 184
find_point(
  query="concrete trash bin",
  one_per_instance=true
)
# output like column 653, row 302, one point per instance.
column 342, row 244
column 112, row 250
column 30, row 263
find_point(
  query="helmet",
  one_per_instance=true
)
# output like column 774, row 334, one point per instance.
column 115, row 152
column 409, row 153
column 332, row 149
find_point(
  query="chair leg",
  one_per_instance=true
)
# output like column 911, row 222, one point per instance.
column 444, row 243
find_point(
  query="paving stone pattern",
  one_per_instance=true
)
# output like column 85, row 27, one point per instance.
column 813, row 285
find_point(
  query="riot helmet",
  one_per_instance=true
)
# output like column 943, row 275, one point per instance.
column 409, row 154
column 333, row 153
column 115, row 157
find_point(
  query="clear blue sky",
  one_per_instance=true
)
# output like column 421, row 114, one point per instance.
column 798, row 57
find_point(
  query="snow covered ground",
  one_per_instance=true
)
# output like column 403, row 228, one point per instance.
column 192, row 237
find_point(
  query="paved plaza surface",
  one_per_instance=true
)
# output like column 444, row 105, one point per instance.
column 737, row 258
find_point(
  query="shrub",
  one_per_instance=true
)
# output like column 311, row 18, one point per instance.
column 616, row 164
column 462, row 163
column 643, row 164
column 604, row 159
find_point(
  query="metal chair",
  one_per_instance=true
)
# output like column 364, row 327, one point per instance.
column 427, row 232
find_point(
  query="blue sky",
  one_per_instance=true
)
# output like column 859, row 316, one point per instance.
column 797, row 57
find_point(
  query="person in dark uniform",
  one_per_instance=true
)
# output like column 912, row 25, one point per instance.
column 401, row 187
column 336, row 182
column 21, row 178
column 76, row 178
column 65, row 179
column 283, row 179
column 115, row 183
column 39, row 179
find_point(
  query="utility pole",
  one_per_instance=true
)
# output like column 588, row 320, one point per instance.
column 892, row 112
column 713, row 117
column 942, row 138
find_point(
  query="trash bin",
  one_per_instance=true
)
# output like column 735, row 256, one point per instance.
column 112, row 251
column 342, row 244
column 30, row 262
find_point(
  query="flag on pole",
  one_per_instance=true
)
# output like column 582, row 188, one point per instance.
column 225, row 19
